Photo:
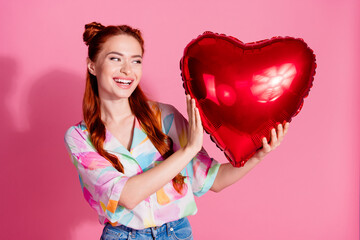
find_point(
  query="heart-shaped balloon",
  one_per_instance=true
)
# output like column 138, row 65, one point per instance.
column 245, row 90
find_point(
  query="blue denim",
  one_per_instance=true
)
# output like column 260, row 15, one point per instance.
column 176, row 230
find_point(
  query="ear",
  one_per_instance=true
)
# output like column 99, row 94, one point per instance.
column 91, row 66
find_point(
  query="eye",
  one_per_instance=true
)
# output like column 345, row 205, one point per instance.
column 115, row 59
column 137, row 61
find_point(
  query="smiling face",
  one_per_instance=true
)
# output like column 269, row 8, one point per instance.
column 118, row 67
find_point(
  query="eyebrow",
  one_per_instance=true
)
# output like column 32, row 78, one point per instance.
column 133, row 56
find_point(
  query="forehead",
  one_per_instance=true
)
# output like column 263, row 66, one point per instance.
column 124, row 44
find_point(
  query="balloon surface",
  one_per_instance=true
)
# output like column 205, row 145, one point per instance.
column 245, row 90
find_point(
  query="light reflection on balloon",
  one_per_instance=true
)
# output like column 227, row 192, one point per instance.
column 209, row 81
column 271, row 84
column 222, row 92
column 226, row 94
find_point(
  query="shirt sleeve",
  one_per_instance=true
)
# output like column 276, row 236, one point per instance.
column 101, row 183
column 202, row 169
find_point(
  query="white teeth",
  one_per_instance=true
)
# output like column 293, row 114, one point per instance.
column 123, row 81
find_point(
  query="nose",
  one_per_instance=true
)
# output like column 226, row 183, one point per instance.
column 126, row 68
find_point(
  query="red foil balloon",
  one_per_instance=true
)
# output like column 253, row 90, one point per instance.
column 244, row 90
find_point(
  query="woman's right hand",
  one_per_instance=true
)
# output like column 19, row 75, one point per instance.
column 141, row 186
column 195, row 129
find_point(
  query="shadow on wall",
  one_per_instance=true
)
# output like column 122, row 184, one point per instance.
column 40, row 188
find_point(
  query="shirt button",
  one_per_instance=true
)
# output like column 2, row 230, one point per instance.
column 171, row 229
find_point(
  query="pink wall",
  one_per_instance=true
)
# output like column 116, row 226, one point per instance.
column 306, row 189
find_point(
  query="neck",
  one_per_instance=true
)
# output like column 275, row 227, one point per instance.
column 115, row 111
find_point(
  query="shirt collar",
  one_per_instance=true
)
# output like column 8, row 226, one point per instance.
column 112, row 144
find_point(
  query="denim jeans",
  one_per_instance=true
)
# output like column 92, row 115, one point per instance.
column 176, row 230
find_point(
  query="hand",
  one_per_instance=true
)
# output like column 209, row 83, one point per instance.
column 276, row 138
column 195, row 129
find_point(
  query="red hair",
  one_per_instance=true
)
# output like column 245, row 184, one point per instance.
column 95, row 35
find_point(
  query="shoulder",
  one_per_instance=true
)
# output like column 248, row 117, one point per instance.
column 77, row 139
column 171, row 117
column 77, row 131
column 164, row 108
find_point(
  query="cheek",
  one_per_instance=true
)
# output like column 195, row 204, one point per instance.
column 106, row 68
column 138, row 72
column 101, row 83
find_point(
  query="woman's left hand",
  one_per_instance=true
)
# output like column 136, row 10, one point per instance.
column 276, row 137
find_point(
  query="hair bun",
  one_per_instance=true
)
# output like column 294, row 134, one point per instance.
column 91, row 29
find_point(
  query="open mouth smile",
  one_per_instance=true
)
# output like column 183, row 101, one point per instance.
column 123, row 82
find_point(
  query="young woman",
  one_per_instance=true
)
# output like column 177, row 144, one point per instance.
column 140, row 162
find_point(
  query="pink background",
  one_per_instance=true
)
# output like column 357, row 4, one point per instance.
column 307, row 189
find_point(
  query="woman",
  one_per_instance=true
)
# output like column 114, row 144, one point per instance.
column 140, row 163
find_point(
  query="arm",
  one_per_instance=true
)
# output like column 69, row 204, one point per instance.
column 228, row 174
column 139, row 187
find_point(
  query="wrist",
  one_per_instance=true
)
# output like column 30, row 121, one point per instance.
column 255, row 160
column 190, row 151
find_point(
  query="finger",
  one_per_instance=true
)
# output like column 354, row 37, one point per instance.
column 198, row 119
column 286, row 127
column 274, row 139
column 266, row 146
column 193, row 118
column 188, row 106
column 190, row 111
column 280, row 133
